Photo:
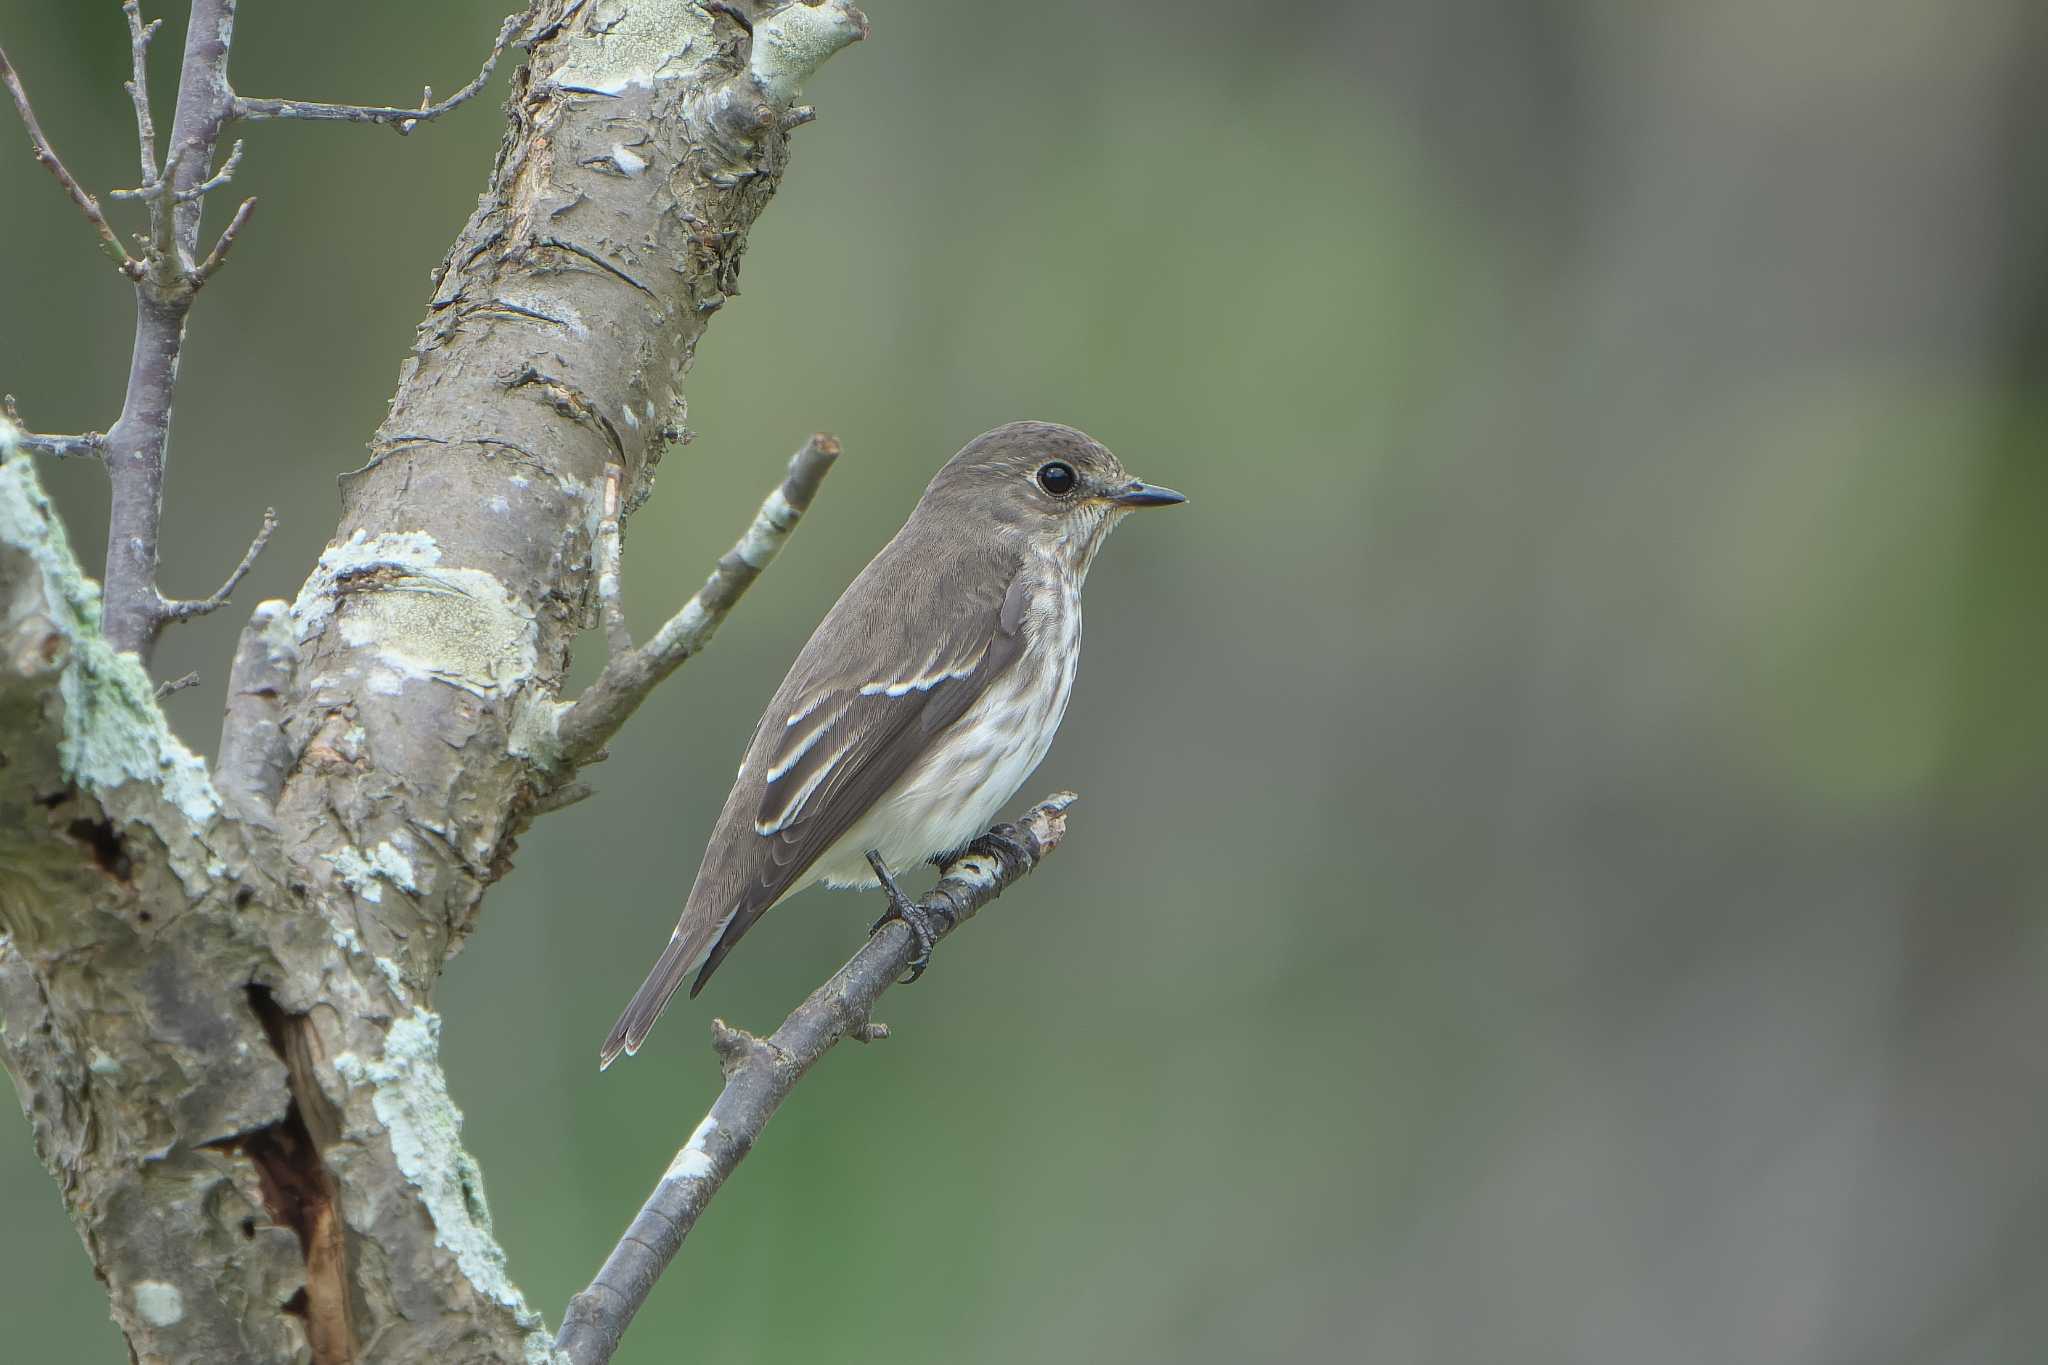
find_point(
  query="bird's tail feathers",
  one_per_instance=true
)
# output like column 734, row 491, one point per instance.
column 677, row 959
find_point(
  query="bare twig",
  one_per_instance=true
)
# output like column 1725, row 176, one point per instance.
column 160, row 188
column 609, row 550
column 404, row 120
column 200, row 606
column 629, row 676
column 229, row 235
column 254, row 750
column 140, row 35
column 217, row 179
column 177, row 685
column 92, row 443
column 153, row 188
column 761, row 1072
column 46, row 156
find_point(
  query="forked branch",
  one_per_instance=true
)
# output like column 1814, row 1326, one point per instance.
column 168, row 273
column 630, row 675
column 760, row 1073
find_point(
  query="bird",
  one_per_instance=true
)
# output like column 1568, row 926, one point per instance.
column 920, row 704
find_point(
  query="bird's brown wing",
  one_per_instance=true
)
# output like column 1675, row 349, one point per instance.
column 852, row 741
column 897, row 659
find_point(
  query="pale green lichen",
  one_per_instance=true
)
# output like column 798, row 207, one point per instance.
column 366, row 875
column 348, row 942
column 792, row 43
column 457, row 626
column 403, row 552
column 410, row 1097
column 114, row 732
column 462, row 627
column 536, row 730
column 617, row 45
column 159, row 1302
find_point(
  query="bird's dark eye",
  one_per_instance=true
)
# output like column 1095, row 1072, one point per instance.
column 1056, row 478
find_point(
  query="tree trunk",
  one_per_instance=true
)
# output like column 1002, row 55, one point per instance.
column 217, row 1002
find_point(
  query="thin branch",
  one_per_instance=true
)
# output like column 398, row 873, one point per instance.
column 761, row 1072
column 140, row 35
column 609, row 550
column 46, row 155
column 192, row 607
column 404, row 120
column 153, row 188
column 158, row 189
column 629, row 676
column 91, row 443
column 229, row 235
column 177, row 685
column 217, row 179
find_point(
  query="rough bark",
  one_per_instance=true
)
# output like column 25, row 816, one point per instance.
column 128, row 952
column 217, row 1002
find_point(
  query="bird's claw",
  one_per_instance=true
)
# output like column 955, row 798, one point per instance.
column 923, row 923
column 1005, row 843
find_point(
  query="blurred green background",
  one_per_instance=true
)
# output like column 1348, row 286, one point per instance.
column 1562, row 868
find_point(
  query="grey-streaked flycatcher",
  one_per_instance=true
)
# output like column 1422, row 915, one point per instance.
column 922, row 702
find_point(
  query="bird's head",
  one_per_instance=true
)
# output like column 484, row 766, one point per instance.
column 1050, row 488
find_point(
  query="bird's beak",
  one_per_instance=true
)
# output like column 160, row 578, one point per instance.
column 1138, row 494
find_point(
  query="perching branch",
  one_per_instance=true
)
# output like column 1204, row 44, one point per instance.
column 630, row 675
column 761, row 1072
column 404, row 120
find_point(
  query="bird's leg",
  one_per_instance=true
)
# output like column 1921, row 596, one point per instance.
column 922, row 922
